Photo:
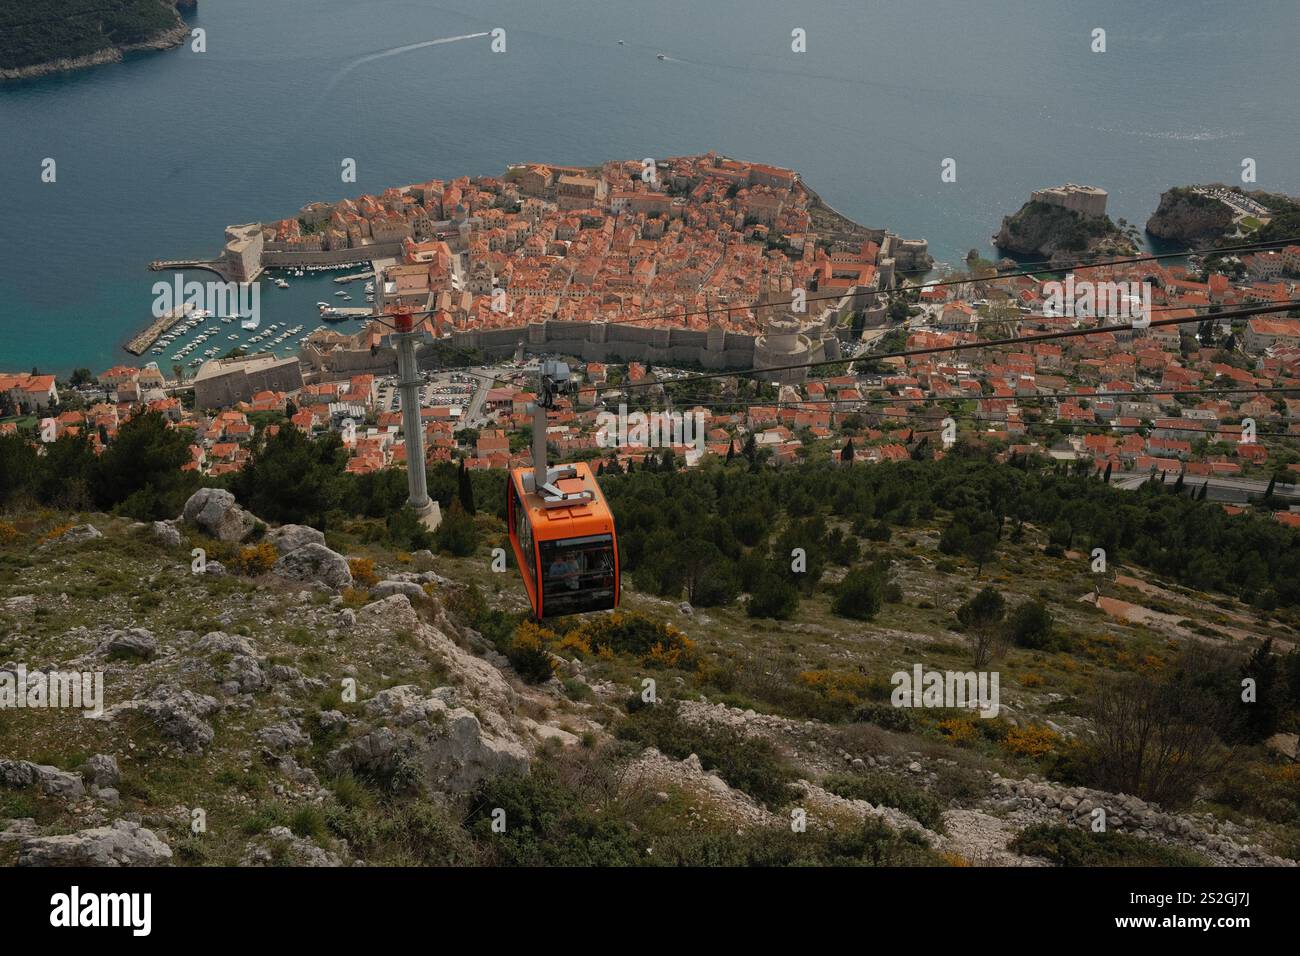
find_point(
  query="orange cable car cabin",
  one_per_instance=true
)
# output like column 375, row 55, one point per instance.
column 566, row 548
column 561, row 529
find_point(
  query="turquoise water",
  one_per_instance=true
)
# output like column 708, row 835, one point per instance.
column 156, row 155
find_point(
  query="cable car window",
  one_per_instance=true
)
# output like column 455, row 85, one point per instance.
column 578, row 574
column 523, row 530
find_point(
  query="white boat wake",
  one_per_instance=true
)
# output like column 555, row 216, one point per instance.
column 371, row 57
column 397, row 51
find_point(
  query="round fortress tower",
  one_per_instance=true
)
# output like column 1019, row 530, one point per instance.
column 782, row 340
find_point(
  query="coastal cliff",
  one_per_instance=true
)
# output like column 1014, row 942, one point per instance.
column 1053, row 232
column 1187, row 216
column 36, row 42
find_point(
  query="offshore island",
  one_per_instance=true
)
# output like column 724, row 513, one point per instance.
column 39, row 37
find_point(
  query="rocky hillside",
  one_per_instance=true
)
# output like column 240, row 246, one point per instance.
column 295, row 698
column 1188, row 217
column 1046, row 231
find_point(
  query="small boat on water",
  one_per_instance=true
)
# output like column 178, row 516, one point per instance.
column 280, row 283
column 661, row 56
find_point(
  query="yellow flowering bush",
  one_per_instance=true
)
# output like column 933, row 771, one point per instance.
column 256, row 559
column 959, row 730
column 1033, row 741
column 363, row 571
column 839, row 687
column 653, row 643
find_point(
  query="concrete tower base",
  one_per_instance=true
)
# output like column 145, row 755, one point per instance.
column 430, row 515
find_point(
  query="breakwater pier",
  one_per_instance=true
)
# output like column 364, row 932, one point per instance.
column 150, row 333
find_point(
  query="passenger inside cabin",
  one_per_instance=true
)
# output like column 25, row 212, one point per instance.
column 565, row 568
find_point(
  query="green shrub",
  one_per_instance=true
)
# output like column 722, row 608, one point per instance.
column 1030, row 625
column 1075, row 846
column 883, row 790
column 860, row 595
column 457, row 534
column 547, row 824
column 528, row 657
column 749, row 764
column 774, row 597
column 885, row 715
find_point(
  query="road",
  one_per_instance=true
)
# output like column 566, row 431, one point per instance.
column 1230, row 490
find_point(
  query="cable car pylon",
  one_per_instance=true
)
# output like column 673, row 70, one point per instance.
column 408, row 383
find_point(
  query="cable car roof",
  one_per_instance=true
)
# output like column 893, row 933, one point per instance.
column 591, row 516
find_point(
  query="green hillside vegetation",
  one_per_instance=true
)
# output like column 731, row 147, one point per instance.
column 38, row 31
column 1284, row 221
column 942, row 563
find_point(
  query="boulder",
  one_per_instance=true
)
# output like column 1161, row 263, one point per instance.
column 137, row 642
column 215, row 511
column 315, row 562
column 435, row 747
column 19, row 829
column 291, row 537
column 242, row 667
column 51, row 780
column 279, row 847
column 122, row 844
column 389, row 614
column 283, row 737
column 75, row 535
column 101, row 771
column 177, row 713
column 388, row 588
column 332, row 720
column 166, row 533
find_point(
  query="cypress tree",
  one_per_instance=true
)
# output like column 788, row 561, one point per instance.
column 464, row 488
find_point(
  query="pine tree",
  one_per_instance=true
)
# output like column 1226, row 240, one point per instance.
column 731, row 450
column 1106, row 477
column 847, row 452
